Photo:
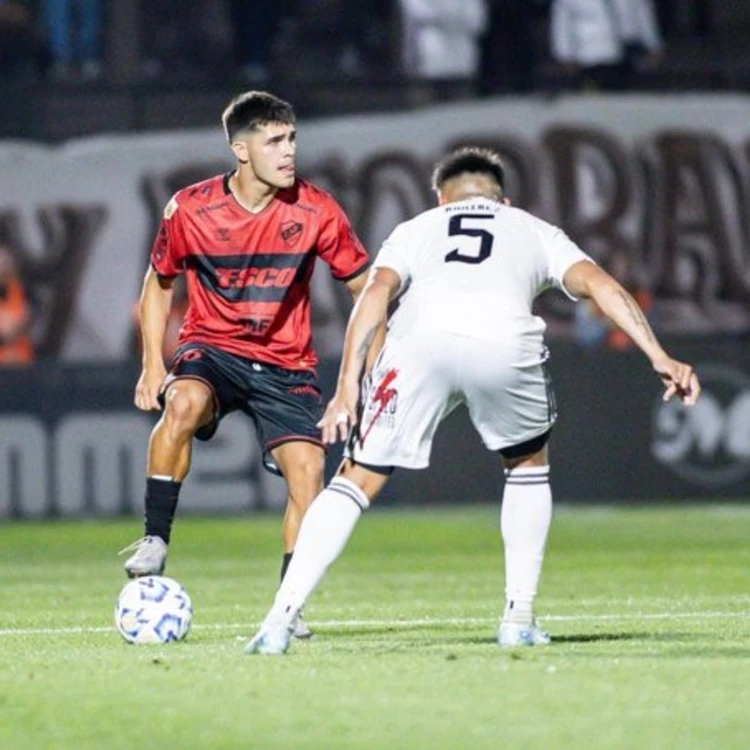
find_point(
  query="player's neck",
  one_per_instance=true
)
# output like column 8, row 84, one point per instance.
column 252, row 194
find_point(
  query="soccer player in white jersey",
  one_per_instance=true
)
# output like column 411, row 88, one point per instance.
column 464, row 275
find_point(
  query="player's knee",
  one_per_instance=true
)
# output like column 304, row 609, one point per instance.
column 305, row 480
column 184, row 410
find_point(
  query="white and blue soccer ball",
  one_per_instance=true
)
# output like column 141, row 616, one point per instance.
column 153, row 609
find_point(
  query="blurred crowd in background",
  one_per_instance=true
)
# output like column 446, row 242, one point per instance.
column 497, row 46
column 453, row 48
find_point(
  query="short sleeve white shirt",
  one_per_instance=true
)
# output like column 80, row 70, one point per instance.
column 474, row 268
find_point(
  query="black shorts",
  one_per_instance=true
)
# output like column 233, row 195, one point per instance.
column 285, row 405
column 526, row 448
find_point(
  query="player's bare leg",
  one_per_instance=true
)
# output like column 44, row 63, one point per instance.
column 324, row 533
column 301, row 463
column 525, row 522
column 188, row 406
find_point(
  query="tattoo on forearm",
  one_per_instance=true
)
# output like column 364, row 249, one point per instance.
column 364, row 347
column 636, row 315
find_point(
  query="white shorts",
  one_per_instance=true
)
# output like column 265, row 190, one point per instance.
column 418, row 380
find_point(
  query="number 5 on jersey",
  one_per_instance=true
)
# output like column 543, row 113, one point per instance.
column 457, row 226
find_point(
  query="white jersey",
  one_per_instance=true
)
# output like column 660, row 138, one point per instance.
column 473, row 268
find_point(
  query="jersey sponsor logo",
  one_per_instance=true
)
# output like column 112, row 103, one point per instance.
column 257, row 277
column 212, row 207
column 709, row 443
column 257, row 326
column 291, row 231
column 222, row 234
column 239, row 278
column 382, row 404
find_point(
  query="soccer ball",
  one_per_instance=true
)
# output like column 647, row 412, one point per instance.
column 153, row 609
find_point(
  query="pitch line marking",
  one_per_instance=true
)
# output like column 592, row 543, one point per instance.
column 423, row 622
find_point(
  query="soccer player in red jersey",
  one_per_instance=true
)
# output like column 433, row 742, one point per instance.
column 247, row 243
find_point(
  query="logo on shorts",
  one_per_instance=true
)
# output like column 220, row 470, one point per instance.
column 304, row 390
column 189, row 356
column 291, row 231
column 382, row 404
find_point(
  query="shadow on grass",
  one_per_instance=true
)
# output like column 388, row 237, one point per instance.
column 604, row 637
column 635, row 645
column 657, row 646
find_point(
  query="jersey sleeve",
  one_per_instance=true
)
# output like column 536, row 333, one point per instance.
column 562, row 253
column 168, row 253
column 394, row 254
column 339, row 246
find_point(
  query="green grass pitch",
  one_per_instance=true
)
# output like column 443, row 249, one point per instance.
column 649, row 609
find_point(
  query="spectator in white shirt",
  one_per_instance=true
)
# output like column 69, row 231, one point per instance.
column 604, row 43
column 441, row 37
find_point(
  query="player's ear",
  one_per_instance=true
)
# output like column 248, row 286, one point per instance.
column 506, row 201
column 442, row 200
column 239, row 149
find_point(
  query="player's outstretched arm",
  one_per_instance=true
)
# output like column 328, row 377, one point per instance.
column 154, row 307
column 367, row 318
column 585, row 279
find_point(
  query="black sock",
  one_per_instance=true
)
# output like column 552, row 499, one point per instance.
column 285, row 563
column 161, row 502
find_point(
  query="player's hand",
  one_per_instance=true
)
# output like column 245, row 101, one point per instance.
column 340, row 414
column 148, row 388
column 679, row 380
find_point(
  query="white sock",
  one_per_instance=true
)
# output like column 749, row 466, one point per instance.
column 524, row 521
column 325, row 530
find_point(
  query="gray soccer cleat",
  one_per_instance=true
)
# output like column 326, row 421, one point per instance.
column 512, row 634
column 270, row 641
column 150, row 557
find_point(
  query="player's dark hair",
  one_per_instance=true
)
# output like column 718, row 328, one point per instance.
column 470, row 159
column 252, row 110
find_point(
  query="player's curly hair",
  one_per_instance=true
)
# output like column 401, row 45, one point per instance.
column 253, row 109
column 472, row 159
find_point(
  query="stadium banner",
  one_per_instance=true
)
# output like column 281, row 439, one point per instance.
column 72, row 444
column 662, row 178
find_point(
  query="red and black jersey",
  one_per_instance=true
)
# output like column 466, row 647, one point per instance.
column 248, row 275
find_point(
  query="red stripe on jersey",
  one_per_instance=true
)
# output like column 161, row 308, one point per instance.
column 248, row 275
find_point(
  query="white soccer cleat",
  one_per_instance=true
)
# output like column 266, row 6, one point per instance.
column 270, row 641
column 512, row 634
column 300, row 628
column 150, row 557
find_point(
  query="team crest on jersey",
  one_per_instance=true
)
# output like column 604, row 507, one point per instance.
column 291, row 231
column 381, row 407
column 170, row 208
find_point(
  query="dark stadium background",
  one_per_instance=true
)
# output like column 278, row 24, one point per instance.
column 670, row 165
